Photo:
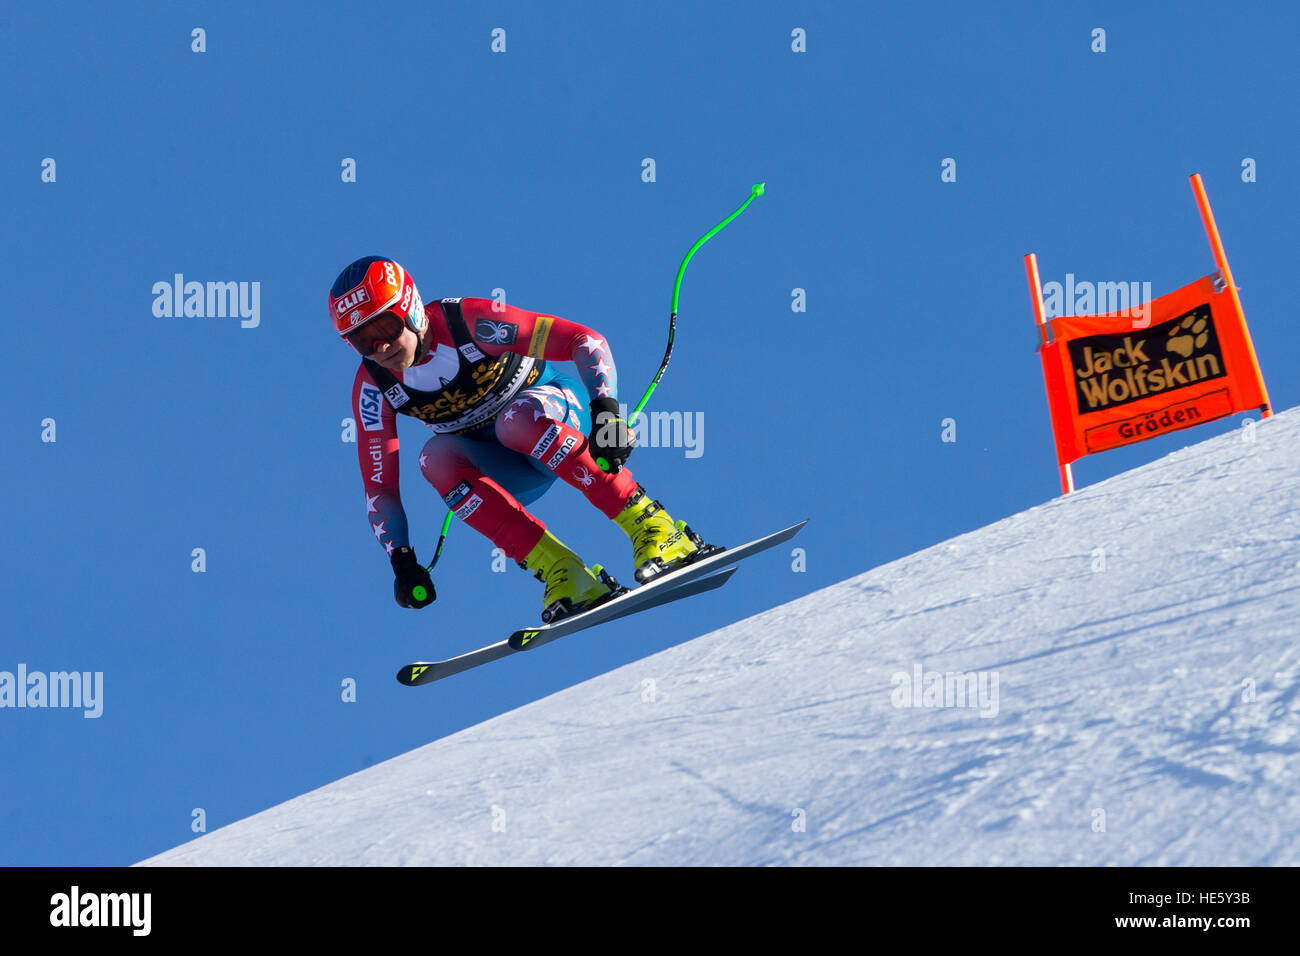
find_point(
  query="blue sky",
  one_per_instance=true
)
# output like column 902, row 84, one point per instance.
column 522, row 171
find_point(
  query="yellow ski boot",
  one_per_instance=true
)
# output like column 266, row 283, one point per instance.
column 658, row 544
column 570, row 585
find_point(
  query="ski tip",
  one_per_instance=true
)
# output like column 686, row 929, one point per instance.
column 794, row 529
column 717, row 579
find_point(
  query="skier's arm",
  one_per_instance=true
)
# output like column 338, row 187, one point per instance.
column 508, row 329
column 377, row 454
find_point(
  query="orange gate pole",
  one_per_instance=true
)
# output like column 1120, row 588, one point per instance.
column 1221, row 261
column 1040, row 316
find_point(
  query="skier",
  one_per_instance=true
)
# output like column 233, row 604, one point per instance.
column 506, row 423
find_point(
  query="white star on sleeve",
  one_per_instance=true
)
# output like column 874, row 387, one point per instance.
column 370, row 503
column 379, row 529
column 593, row 344
column 423, row 460
column 600, row 368
column 389, row 547
column 602, row 390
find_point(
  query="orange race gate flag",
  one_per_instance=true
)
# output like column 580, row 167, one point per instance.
column 1180, row 360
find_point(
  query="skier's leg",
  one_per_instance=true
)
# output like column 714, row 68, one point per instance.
column 456, row 466
column 549, row 424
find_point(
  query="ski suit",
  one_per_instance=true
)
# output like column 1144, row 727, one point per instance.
column 506, row 423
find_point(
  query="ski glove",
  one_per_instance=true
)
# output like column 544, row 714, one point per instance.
column 610, row 438
column 411, row 574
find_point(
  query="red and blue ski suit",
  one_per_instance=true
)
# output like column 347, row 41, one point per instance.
column 506, row 423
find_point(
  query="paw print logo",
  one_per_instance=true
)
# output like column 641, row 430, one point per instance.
column 1188, row 335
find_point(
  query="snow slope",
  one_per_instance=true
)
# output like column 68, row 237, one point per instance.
column 1142, row 633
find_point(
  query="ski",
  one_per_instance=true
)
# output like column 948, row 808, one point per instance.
column 527, row 638
column 697, row 577
column 426, row 672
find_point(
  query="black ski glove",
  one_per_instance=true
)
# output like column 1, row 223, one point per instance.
column 610, row 438
column 411, row 574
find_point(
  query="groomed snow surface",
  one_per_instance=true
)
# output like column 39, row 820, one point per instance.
column 1131, row 656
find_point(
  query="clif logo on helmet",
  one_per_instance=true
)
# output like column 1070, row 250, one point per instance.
column 372, row 285
column 354, row 298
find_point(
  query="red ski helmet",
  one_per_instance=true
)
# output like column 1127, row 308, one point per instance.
column 370, row 287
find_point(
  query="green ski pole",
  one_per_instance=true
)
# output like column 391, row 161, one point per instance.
column 754, row 192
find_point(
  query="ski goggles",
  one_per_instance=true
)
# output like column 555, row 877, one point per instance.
column 384, row 327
